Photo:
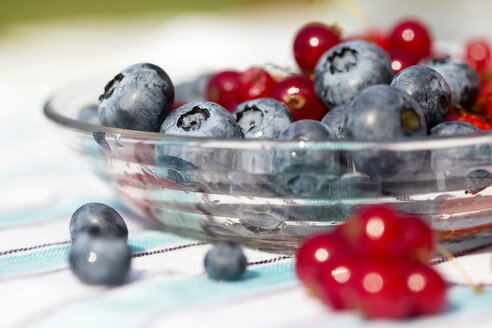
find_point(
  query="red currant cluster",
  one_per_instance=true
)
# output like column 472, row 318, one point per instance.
column 377, row 262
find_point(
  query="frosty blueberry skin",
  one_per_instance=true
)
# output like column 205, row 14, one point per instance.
column 348, row 68
column 384, row 113
column 263, row 118
column 100, row 260
column 97, row 219
column 335, row 120
column 196, row 119
column 201, row 119
column 454, row 160
column 225, row 261
column 462, row 79
column 428, row 88
column 138, row 98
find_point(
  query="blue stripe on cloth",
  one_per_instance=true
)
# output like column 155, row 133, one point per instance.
column 56, row 210
column 57, row 257
column 132, row 305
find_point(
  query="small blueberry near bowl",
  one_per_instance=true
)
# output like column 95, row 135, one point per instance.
column 233, row 196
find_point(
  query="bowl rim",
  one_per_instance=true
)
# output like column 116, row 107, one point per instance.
column 133, row 136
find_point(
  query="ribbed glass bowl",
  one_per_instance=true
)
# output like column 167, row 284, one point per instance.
column 270, row 194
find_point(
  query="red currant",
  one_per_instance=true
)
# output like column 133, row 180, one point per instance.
column 426, row 288
column 224, row 88
column 256, row 83
column 315, row 251
column 380, row 288
column 311, row 41
column 411, row 36
column 374, row 228
column 334, row 284
column 417, row 239
column 297, row 92
column 477, row 54
column 401, row 59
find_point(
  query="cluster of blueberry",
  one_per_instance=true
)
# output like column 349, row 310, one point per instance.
column 347, row 90
column 377, row 262
column 99, row 254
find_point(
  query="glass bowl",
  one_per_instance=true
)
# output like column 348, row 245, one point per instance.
column 270, row 194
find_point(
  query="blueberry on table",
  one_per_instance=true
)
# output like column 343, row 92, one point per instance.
column 225, row 261
column 335, row 120
column 138, row 98
column 100, row 260
column 383, row 113
column 263, row 118
column 348, row 68
column 462, row 79
column 428, row 88
column 97, row 219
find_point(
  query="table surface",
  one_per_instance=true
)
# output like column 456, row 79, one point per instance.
column 42, row 182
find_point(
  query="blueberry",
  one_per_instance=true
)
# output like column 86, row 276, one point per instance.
column 428, row 88
column 302, row 171
column 88, row 114
column 335, row 120
column 197, row 119
column 306, row 130
column 383, row 113
column 100, row 260
column 225, row 261
column 97, row 219
column 263, row 118
column 454, row 160
column 201, row 119
column 348, row 68
column 138, row 98
column 193, row 90
column 462, row 79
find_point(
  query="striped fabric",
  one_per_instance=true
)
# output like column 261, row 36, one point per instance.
column 42, row 182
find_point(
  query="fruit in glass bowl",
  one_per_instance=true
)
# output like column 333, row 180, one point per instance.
column 226, row 187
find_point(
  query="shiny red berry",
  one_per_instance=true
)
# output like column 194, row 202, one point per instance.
column 297, row 92
column 256, row 83
column 311, row 41
column 401, row 59
column 411, row 36
column 417, row 239
column 374, row 228
column 334, row 284
column 380, row 287
column 224, row 88
column 477, row 54
column 426, row 288
column 313, row 252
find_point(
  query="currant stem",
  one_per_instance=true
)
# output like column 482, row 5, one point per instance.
column 450, row 257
